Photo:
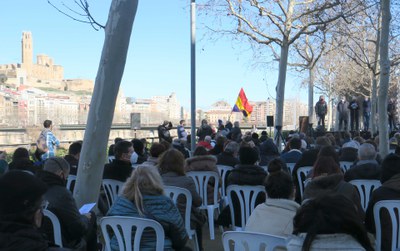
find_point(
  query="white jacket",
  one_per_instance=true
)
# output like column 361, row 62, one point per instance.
column 275, row 216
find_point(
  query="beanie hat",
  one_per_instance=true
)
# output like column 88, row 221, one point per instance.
column 56, row 163
column 19, row 191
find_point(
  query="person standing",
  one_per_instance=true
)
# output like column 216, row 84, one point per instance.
column 163, row 131
column 391, row 110
column 182, row 134
column 354, row 114
column 343, row 111
column 47, row 142
column 366, row 113
column 321, row 109
column 204, row 130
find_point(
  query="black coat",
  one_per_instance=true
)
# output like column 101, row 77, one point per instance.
column 367, row 171
column 348, row 154
column 227, row 159
column 203, row 131
column 117, row 170
column 73, row 225
column 73, row 164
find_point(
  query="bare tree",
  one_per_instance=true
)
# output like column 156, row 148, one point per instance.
column 111, row 67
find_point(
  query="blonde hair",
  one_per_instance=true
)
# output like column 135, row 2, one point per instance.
column 145, row 180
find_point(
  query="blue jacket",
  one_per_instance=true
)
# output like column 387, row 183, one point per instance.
column 291, row 156
column 159, row 208
column 52, row 142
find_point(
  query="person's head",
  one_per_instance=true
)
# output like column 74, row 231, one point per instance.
column 254, row 136
column 324, row 166
column 207, row 138
column 21, row 196
column 138, row 146
column 295, row 143
column 117, row 139
column 20, row 153
column 182, row 122
column 236, row 124
column 47, row 124
column 279, row 185
column 329, row 214
column 232, row 148
column 144, row 180
column 156, row 150
column 75, row 149
column 248, row 156
column 329, row 151
column 204, row 122
column 57, row 166
column 322, row 141
column 277, row 165
column 123, row 151
column 165, row 123
column 343, row 99
column 321, row 98
column 390, row 167
column 200, row 151
column 172, row 160
column 359, row 139
column 366, row 152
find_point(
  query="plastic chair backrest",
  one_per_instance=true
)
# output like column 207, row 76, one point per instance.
column 56, row 226
column 201, row 179
column 111, row 158
column 122, row 228
column 174, row 193
column 223, row 170
column 302, row 174
column 71, row 180
column 247, row 196
column 393, row 210
column 290, row 166
column 345, row 165
column 112, row 189
column 244, row 241
column 365, row 189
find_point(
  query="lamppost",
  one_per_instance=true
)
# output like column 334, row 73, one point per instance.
column 193, row 74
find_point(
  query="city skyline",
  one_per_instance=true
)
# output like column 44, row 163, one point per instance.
column 158, row 60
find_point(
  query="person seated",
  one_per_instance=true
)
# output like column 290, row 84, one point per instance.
column 78, row 231
column 206, row 143
column 268, row 152
column 21, row 161
column 138, row 147
column 263, row 137
column 3, row 162
column 111, row 148
column 120, row 168
column 219, row 146
column 390, row 190
column 366, row 168
column 143, row 196
column 178, row 144
column 328, row 222
column 229, row 157
column 155, row 152
column 327, row 178
column 21, row 212
column 74, row 152
column 172, row 171
column 294, row 154
column 275, row 216
column 349, row 151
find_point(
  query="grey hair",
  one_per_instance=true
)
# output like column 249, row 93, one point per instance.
column 366, row 152
column 232, row 147
column 56, row 164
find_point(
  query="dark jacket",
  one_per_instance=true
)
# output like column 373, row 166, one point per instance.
column 163, row 132
column 366, row 171
column 333, row 184
column 159, row 208
column 23, row 164
column 203, row 131
column 227, row 159
column 197, row 218
column 390, row 190
column 292, row 156
column 348, row 154
column 321, row 108
column 236, row 134
column 73, row 225
column 343, row 109
column 268, row 152
column 117, row 170
column 73, row 164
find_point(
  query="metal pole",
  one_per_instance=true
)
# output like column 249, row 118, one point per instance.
column 193, row 74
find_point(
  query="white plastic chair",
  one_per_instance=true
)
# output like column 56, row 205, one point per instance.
column 392, row 208
column 249, row 241
column 111, row 158
column 247, row 196
column 71, row 180
column 112, row 188
column 56, row 226
column 290, row 166
column 365, row 189
column 122, row 228
column 201, row 179
column 265, row 168
column 174, row 193
column 302, row 174
column 223, row 170
column 345, row 165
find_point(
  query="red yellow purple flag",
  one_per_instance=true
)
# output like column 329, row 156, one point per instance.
column 242, row 104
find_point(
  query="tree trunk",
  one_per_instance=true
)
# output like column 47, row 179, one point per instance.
column 112, row 63
column 311, row 95
column 372, row 119
column 384, row 79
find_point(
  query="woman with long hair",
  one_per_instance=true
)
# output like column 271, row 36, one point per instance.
column 143, row 196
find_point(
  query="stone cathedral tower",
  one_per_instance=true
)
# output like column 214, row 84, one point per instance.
column 27, row 51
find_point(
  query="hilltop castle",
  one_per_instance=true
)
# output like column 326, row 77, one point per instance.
column 43, row 74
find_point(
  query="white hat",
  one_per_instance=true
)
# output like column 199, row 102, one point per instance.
column 351, row 143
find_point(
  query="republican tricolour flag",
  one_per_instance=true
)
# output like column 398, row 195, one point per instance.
column 242, row 104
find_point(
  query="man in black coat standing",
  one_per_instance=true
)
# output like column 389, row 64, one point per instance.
column 321, row 109
column 354, row 108
column 343, row 112
column 163, row 131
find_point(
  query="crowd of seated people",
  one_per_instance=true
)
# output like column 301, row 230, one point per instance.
column 310, row 221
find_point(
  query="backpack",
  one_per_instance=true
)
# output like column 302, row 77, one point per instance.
column 41, row 143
